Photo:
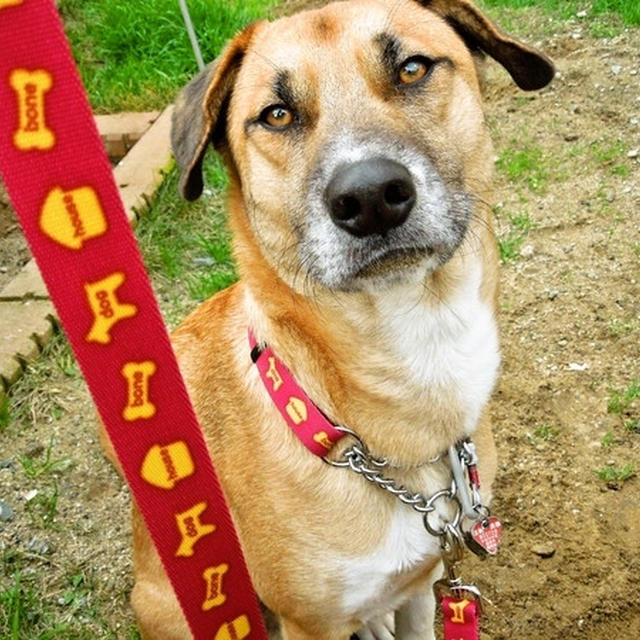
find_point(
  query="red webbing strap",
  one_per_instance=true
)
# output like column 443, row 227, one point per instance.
column 61, row 184
column 461, row 618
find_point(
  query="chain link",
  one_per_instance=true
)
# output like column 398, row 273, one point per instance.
column 358, row 459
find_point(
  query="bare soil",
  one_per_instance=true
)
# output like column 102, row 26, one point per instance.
column 14, row 253
column 570, row 561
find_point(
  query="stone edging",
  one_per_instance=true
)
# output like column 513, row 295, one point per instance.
column 27, row 316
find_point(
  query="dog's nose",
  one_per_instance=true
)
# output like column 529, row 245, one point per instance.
column 370, row 196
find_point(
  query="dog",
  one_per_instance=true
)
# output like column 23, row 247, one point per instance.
column 359, row 202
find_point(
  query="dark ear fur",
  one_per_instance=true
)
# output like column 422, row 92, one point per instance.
column 200, row 112
column 529, row 68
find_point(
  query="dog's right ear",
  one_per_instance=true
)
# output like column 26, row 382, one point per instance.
column 200, row 112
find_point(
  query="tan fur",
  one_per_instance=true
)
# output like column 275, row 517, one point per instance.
column 293, row 512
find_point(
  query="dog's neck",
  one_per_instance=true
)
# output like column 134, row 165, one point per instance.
column 414, row 361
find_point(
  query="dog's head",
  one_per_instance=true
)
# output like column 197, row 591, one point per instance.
column 355, row 133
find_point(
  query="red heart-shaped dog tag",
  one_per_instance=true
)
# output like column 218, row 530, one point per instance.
column 486, row 534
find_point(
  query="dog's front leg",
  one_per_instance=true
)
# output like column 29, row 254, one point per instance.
column 291, row 631
column 378, row 629
column 415, row 618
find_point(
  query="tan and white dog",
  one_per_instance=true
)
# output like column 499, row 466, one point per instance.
column 360, row 166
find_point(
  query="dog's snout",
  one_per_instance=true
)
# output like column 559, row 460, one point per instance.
column 370, row 196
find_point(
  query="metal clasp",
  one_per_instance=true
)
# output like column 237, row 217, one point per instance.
column 452, row 545
column 462, row 457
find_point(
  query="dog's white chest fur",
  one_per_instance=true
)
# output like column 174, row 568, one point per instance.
column 367, row 581
column 455, row 347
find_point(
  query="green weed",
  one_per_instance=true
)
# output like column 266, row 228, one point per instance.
column 43, row 507
column 33, row 398
column 610, row 155
column 617, row 328
column 632, row 425
column 67, row 364
column 5, row 414
column 608, row 440
column 34, row 468
column 509, row 247
column 522, row 221
column 509, row 244
column 611, row 473
column 620, row 401
column 527, row 166
column 544, row 432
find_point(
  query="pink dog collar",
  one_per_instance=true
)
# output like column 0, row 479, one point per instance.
column 309, row 424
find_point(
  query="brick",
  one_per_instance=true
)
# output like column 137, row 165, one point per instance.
column 130, row 123
column 115, row 146
column 27, row 284
column 120, row 131
column 10, row 369
column 25, row 328
column 139, row 173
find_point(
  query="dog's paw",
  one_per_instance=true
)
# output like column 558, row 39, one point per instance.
column 379, row 629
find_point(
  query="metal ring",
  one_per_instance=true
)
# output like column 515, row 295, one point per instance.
column 453, row 523
column 360, row 448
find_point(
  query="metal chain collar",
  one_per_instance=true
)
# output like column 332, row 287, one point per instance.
column 357, row 458
column 463, row 493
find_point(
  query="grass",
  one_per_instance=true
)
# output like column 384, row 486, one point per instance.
column 628, row 11
column 544, row 432
column 611, row 473
column 526, row 166
column 612, row 156
column 33, row 398
column 510, row 242
column 5, row 414
column 34, row 468
column 620, row 402
column 509, row 247
column 136, row 55
column 186, row 246
column 608, row 440
column 43, row 507
column 618, row 328
column 26, row 615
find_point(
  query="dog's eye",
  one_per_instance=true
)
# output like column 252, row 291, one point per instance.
column 413, row 69
column 277, row 116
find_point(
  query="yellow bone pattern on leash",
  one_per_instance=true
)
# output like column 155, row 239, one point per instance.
column 72, row 217
column 164, row 466
column 137, row 374
column 10, row 3
column 213, row 577
column 30, row 88
column 106, row 308
column 236, row 630
column 192, row 528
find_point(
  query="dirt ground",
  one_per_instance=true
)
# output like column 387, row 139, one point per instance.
column 566, row 407
column 14, row 251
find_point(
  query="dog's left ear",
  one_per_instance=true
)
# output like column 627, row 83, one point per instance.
column 530, row 68
column 200, row 112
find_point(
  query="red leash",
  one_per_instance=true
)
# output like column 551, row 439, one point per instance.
column 62, row 187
